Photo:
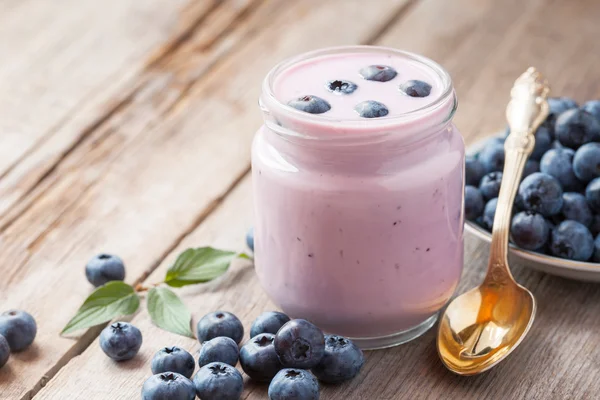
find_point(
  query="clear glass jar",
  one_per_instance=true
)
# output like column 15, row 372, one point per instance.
column 359, row 223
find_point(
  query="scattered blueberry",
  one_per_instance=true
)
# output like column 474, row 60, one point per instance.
column 104, row 268
column 474, row 171
column 173, row 359
column 121, row 341
column 586, row 162
column 559, row 164
column 218, row 381
column 294, row 384
column 268, row 322
column 492, row 156
column 222, row 349
column 371, row 109
column 531, row 166
column 593, row 107
column 473, row 203
column 168, row 386
column 310, row 104
column 595, row 258
column 18, row 328
column 342, row 360
column 572, row 240
column 488, row 213
column 250, row 238
column 341, row 86
column 490, row 185
column 543, row 143
column 4, row 351
column 220, row 323
column 415, row 88
column 529, row 230
column 576, row 127
column 259, row 359
column 299, row 344
column 379, row 73
column 541, row 193
column 575, row 208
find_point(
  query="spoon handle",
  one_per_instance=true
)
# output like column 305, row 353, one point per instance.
column 525, row 112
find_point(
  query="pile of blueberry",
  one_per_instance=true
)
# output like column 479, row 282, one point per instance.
column 280, row 352
column 367, row 109
column 557, row 208
column 17, row 332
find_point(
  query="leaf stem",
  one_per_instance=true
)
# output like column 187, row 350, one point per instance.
column 141, row 288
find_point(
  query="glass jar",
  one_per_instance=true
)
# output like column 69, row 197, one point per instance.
column 359, row 223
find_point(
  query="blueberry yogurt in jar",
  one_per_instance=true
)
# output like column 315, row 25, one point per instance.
column 358, row 177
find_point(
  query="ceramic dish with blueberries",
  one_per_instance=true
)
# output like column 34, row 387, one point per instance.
column 556, row 217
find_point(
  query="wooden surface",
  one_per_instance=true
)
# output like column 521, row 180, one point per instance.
column 125, row 127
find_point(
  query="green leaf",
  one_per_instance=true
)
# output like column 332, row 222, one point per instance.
column 168, row 311
column 198, row 265
column 244, row 256
column 112, row 300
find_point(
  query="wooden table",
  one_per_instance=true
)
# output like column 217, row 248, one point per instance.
column 125, row 126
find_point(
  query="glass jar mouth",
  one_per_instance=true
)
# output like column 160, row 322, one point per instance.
column 443, row 106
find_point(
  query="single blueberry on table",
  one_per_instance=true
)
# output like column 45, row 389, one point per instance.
column 492, row 156
column 342, row 360
column 529, row 230
column 218, row 381
column 489, row 211
column 121, row 341
column 575, row 208
column 586, row 162
column 299, row 344
column 173, row 359
column 379, row 73
column 559, row 164
column 415, row 88
column 18, row 328
column 341, row 86
column 250, row 238
column 294, row 384
column 473, row 203
column 104, row 268
column 541, row 193
column 259, row 359
column 474, row 171
column 220, row 323
column 310, row 104
column 572, row 240
column 593, row 107
column 576, row 127
column 371, row 109
column 490, row 185
column 543, row 143
column 268, row 322
column 220, row 349
column 4, row 351
column 592, row 194
column 595, row 257
column 531, row 166
column 168, row 386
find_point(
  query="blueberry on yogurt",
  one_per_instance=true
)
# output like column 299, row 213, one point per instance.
column 339, row 86
column 371, row 109
column 310, row 104
column 415, row 88
column 379, row 73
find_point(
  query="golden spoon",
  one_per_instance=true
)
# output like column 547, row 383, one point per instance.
column 482, row 326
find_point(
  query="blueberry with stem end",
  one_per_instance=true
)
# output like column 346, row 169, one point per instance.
column 529, row 230
column 121, row 341
column 299, row 344
column 339, row 86
column 218, row 381
column 104, row 268
column 168, row 386
column 572, row 240
column 220, row 323
column 378, row 73
column 342, row 360
column 541, row 193
column 296, row 384
column 490, row 185
column 310, row 104
column 371, row 109
column 415, row 88
column 259, row 359
column 173, row 359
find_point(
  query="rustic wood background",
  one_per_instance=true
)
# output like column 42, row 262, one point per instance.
column 125, row 126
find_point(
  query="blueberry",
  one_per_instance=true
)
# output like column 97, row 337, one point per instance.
column 490, row 185
column 473, row 203
column 415, row 88
column 341, row 86
column 220, row 323
column 250, row 238
column 576, row 127
column 104, row 268
column 168, row 386
column 541, row 193
column 173, row 359
column 531, row 166
column 299, row 344
column 593, row 107
column 294, row 384
column 218, row 381
column 575, row 208
column 371, row 109
column 559, row 164
column 4, row 351
column 379, row 73
column 529, row 230
column 259, row 359
column 592, row 194
column 342, row 360
column 556, row 145
column 595, row 257
column 558, row 105
column 474, row 171
column 595, row 225
column 492, row 156
column 543, row 143
column 310, row 104
column 586, row 162
column 268, row 322
column 572, row 240
column 488, row 214
column 18, row 328
column 121, row 341
column 222, row 349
